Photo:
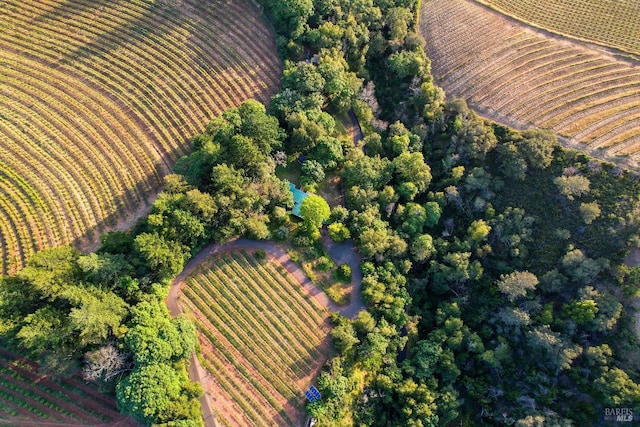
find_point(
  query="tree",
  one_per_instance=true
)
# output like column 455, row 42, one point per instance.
column 175, row 184
column 373, row 242
column 411, row 168
column 433, row 211
column 104, row 269
column 328, row 152
column 572, row 186
column 397, row 20
column 98, row 315
column 478, row 231
column 338, row 232
column 582, row 311
column 422, row 247
column 104, row 364
column 536, row 146
column 413, row 217
column 307, row 128
column 164, row 258
column 342, row 85
column 314, row 210
column 426, row 355
column 148, row 392
column 367, row 172
column 291, row 15
column 154, row 337
column 517, row 284
column 589, row 211
column 46, row 329
column 303, row 77
column 408, row 63
column 472, row 139
column 250, row 121
column 512, row 164
column 256, row 227
column 344, row 337
column 579, row 267
column 312, row 171
column 615, row 388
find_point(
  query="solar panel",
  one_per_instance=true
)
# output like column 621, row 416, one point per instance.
column 309, row 396
column 314, row 392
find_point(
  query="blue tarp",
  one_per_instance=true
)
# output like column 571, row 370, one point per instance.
column 298, row 197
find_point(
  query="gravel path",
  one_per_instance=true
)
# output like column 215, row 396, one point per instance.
column 340, row 253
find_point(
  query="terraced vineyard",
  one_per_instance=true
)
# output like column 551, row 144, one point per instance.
column 261, row 337
column 98, row 100
column 519, row 76
column 610, row 23
column 27, row 398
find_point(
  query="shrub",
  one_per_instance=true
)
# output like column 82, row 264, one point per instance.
column 324, row 264
column 343, row 273
column 302, row 241
column 260, row 254
column 313, row 171
column 338, row 232
column 281, row 233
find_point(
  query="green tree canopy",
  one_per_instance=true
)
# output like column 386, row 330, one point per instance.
column 154, row 337
column 150, row 394
column 165, row 258
column 314, row 210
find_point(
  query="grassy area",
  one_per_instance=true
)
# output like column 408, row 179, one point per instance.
column 261, row 336
column 331, row 189
column 322, row 271
column 291, row 172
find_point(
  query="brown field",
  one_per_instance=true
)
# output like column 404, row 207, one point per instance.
column 609, row 23
column 520, row 76
column 99, row 99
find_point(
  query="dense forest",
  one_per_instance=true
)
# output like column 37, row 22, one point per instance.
column 492, row 258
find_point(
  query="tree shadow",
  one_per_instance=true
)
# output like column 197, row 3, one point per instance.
column 123, row 221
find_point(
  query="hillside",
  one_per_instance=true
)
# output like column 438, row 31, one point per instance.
column 523, row 77
column 614, row 24
column 98, row 101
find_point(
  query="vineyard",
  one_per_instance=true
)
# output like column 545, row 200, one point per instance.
column 261, row 338
column 518, row 76
column 28, row 398
column 98, row 100
column 610, row 23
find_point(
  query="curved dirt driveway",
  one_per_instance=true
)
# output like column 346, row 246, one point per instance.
column 340, row 252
